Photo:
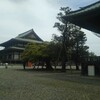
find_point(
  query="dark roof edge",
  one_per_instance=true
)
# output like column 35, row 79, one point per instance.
column 2, row 44
column 84, row 9
column 37, row 36
column 25, row 33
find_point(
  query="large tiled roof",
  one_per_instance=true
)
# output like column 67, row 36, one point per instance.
column 85, row 9
column 26, row 37
column 30, row 34
column 87, row 17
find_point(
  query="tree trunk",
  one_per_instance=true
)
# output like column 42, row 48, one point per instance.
column 63, row 53
column 48, row 64
column 24, row 65
column 77, row 67
column 63, row 66
column 77, row 56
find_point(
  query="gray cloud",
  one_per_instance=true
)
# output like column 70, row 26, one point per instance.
column 17, row 16
column 18, row 1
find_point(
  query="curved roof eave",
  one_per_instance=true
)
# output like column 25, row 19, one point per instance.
column 16, row 40
column 28, row 40
column 85, row 9
column 88, row 17
column 20, row 38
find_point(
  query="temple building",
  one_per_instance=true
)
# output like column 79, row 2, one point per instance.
column 15, row 46
column 89, row 18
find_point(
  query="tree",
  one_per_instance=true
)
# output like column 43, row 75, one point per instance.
column 63, row 27
column 80, row 49
column 78, row 46
column 37, row 52
column 92, row 54
column 45, row 52
column 73, row 39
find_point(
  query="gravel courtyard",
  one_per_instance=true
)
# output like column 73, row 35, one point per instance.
column 19, row 84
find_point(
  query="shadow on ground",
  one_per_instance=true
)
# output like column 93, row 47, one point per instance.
column 71, row 76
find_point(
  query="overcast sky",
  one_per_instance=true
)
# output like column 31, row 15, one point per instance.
column 18, row 16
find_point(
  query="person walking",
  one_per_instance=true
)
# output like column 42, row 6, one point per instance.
column 6, row 65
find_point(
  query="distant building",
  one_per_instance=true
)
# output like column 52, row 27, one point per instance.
column 15, row 46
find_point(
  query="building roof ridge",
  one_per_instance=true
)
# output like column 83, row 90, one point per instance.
column 24, row 33
column 86, row 8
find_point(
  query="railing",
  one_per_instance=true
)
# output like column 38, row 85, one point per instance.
column 91, row 59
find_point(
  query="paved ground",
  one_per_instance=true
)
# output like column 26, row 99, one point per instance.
column 19, row 84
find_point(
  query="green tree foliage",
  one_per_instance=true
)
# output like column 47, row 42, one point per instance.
column 73, row 39
column 92, row 54
column 45, row 52
column 35, row 53
column 79, row 48
column 63, row 26
column 69, row 46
